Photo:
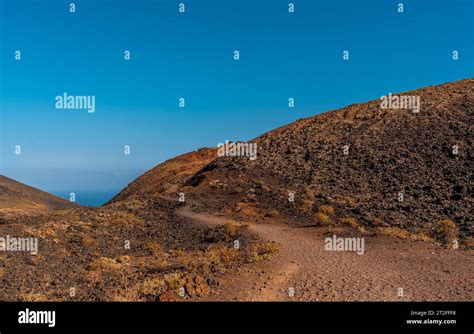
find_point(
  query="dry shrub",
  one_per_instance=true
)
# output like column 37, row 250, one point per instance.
column 264, row 250
column 155, row 263
column 105, row 263
column 33, row 297
column 272, row 213
column 127, row 294
column 103, row 266
column 42, row 232
column 307, row 201
column 308, row 193
column 232, row 229
column 158, row 260
column 420, row 236
column 219, row 256
column 131, row 291
column 246, row 209
column 134, row 204
column 393, row 232
column 27, row 294
column 446, row 231
column 227, row 232
column 125, row 219
column 322, row 219
column 327, row 210
column 403, row 234
column 155, row 248
column 346, row 201
column 153, row 286
column 196, row 286
column 306, row 205
column 175, row 281
column 182, row 257
column 350, row 221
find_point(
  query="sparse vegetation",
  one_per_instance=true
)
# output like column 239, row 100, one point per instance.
column 247, row 210
column 104, row 264
column 219, row 256
column 446, row 231
column 307, row 201
column 346, row 201
column 322, row 219
column 155, row 248
column 228, row 232
column 231, row 229
column 264, row 250
column 327, row 210
column 403, row 234
column 125, row 219
column 393, row 232
column 420, row 236
column 174, row 281
column 32, row 296
column 350, row 221
column 152, row 287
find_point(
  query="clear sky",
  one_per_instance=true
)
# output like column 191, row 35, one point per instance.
column 190, row 55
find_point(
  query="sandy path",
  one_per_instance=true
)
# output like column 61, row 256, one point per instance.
column 424, row 271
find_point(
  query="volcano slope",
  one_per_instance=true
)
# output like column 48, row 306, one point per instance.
column 392, row 170
column 398, row 179
column 388, row 169
column 17, row 195
column 133, row 250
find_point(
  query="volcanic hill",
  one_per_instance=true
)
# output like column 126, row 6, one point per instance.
column 16, row 195
column 361, row 164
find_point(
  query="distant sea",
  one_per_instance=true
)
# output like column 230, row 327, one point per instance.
column 90, row 197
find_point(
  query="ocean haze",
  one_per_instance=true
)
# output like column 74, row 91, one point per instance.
column 91, row 188
column 90, row 197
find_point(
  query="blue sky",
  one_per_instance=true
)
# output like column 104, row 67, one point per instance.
column 190, row 55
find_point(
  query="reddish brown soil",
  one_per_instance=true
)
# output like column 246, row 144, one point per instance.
column 424, row 271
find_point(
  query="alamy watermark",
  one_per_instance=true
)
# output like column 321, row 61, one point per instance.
column 14, row 244
column 239, row 149
column 335, row 243
column 37, row 317
column 75, row 102
column 392, row 101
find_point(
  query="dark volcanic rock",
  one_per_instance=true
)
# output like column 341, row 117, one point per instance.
column 389, row 152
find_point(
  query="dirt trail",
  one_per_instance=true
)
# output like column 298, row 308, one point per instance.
column 390, row 269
